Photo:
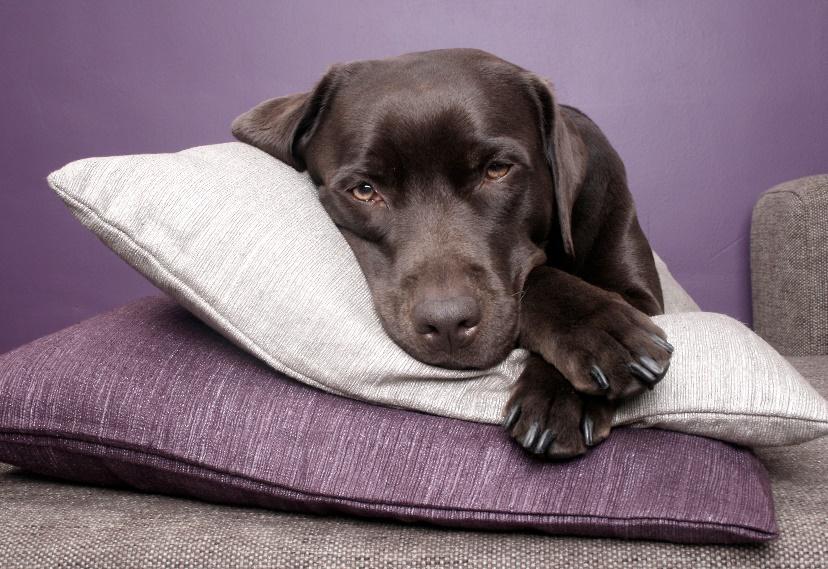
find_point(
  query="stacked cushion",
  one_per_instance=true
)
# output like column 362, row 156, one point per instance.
column 150, row 398
column 241, row 240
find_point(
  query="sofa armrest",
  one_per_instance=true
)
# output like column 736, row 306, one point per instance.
column 789, row 266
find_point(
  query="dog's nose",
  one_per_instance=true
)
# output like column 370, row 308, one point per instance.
column 447, row 323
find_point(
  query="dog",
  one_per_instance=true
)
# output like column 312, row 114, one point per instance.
column 485, row 215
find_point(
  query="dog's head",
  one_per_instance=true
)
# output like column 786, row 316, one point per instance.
column 447, row 172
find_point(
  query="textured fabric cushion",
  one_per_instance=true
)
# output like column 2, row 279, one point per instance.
column 726, row 382
column 789, row 266
column 241, row 240
column 149, row 397
column 46, row 523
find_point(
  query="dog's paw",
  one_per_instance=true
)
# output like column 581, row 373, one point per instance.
column 615, row 351
column 548, row 418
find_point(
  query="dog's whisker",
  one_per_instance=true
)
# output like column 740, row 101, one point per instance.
column 521, row 294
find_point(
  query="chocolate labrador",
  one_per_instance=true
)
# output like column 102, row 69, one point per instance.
column 484, row 215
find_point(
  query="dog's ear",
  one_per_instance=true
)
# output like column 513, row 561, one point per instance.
column 283, row 126
column 565, row 155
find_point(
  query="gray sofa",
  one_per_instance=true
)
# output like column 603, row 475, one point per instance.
column 50, row 523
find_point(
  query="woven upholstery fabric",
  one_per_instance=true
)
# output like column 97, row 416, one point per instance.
column 241, row 240
column 150, row 398
column 46, row 523
column 789, row 266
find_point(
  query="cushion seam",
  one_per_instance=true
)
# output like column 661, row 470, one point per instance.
column 378, row 502
column 738, row 414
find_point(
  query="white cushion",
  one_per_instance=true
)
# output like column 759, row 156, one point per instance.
column 241, row 240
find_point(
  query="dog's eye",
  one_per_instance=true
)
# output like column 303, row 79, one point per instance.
column 496, row 170
column 363, row 192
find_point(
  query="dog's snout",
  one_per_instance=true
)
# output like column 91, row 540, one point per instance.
column 447, row 323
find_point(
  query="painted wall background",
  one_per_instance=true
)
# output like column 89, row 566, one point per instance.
column 709, row 103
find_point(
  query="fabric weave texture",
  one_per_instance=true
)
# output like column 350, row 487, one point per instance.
column 789, row 266
column 150, row 398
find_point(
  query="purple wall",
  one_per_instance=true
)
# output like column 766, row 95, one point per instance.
column 708, row 102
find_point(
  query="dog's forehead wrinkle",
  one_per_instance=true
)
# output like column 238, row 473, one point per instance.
column 411, row 126
column 446, row 149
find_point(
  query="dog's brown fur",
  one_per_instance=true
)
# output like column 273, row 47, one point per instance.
column 462, row 266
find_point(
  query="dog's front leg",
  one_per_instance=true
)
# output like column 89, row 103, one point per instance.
column 598, row 341
column 549, row 418
column 590, row 349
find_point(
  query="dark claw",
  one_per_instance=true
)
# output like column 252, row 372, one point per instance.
column 512, row 417
column 599, row 377
column 529, row 437
column 586, row 429
column 643, row 374
column 663, row 343
column 651, row 365
column 544, row 441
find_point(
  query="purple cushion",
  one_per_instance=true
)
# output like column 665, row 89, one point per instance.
column 148, row 397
